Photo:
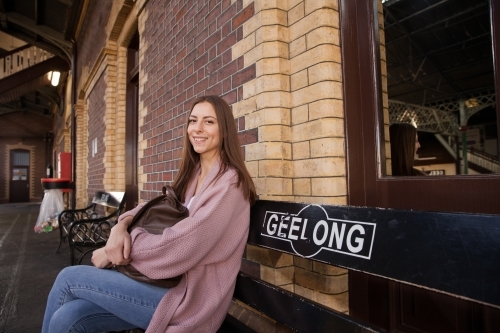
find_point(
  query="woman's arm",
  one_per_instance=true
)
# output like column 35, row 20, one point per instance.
column 117, row 248
column 221, row 210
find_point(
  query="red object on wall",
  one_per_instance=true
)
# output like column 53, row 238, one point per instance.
column 64, row 165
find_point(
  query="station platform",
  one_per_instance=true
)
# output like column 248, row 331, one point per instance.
column 28, row 268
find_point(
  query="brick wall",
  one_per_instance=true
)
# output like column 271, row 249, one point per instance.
column 185, row 52
column 96, row 130
column 295, row 103
column 93, row 37
column 14, row 135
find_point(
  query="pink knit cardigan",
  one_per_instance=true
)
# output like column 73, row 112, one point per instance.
column 206, row 247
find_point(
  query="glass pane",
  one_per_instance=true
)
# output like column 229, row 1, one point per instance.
column 438, row 75
column 20, row 158
column 20, row 174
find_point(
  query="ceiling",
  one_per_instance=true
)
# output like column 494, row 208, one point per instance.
column 438, row 50
column 49, row 25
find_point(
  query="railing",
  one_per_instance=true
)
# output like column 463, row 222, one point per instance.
column 483, row 159
column 22, row 58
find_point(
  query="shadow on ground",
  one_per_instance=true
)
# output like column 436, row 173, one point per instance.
column 28, row 267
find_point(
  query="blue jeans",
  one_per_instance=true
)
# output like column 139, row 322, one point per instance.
column 88, row 299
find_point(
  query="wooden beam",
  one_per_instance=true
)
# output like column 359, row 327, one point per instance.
column 42, row 30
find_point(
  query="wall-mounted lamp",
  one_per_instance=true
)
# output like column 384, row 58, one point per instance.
column 54, row 78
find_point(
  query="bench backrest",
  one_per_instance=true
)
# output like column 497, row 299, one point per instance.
column 109, row 199
column 454, row 253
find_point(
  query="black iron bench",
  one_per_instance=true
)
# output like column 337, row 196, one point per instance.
column 456, row 254
column 88, row 228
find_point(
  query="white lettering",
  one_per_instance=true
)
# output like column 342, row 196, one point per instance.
column 325, row 234
column 269, row 225
column 359, row 241
column 283, row 226
column 303, row 230
column 335, row 234
column 294, row 227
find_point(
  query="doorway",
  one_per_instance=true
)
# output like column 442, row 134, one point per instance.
column 19, row 176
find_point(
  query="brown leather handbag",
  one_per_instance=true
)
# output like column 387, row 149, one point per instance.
column 156, row 215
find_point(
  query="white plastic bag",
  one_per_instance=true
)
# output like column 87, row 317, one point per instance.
column 52, row 206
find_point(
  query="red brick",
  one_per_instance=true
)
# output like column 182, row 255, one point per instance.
column 243, row 16
column 247, row 137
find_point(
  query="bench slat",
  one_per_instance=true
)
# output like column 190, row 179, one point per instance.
column 454, row 253
column 298, row 313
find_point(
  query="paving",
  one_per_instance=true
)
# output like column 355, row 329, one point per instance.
column 28, row 267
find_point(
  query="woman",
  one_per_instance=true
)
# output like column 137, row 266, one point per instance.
column 404, row 146
column 206, row 248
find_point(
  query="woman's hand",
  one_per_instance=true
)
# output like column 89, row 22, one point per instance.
column 118, row 245
column 100, row 259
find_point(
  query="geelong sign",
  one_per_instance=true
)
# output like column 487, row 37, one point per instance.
column 311, row 230
column 455, row 253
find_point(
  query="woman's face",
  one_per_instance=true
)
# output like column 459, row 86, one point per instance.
column 203, row 130
column 417, row 144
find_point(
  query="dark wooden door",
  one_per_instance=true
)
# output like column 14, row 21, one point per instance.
column 131, row 130
column 391, row 305
column 19, row 176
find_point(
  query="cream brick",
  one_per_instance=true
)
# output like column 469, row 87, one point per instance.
column 244, row 107
column 335, row 186
column 243, row 46
column 304, row 292
column 299, row 80
column 275, row 168
column 271, row 33
column 339, row 201
column 296, row 13
column 297, row 46
column 327, row 147
column 268, row 116
column 323, row 35
column 320, row 167
column 275, row 186
column 321, row 53
column 338, row 302
column 273, row 99
column 266, row 50
column 274, row 15
column 301, row 150
column 327, row 127
column 293, row 3
column 274, row 82
column 322, row 17
column 330, row 284
column 328, row 269
column 268, row 257
column 272, row 66
column 315, row 92
column 277, row 276
column 252, row 24
column 270, row 4
column 268, row 150
column 312, row 5
column 300, row 114
column 276, row 197
column 252, row 166
column 274, row 133
column 325, row 71
column 326, row 108
column 302, row 186
column 303, row 262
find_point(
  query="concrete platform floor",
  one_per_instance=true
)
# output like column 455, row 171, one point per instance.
column 28, row 267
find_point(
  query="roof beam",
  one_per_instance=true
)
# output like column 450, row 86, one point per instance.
column 44, row 31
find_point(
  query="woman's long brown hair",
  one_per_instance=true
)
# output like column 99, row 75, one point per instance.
column 403, row 149
column 231, row 154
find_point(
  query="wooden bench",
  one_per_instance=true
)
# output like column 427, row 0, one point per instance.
column 88, row 228
column 456, row 254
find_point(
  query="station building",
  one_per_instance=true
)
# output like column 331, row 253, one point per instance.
column 309, row 83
